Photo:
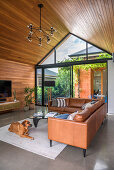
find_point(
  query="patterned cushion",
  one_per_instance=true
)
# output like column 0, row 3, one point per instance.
column 64, row 103
column 54, row 103
column 86, row 105
column 61, row 102
column 71, row 116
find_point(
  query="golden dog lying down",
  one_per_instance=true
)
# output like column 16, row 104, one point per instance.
column 21, row 129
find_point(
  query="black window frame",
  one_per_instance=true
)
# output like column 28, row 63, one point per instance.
column 56, row 65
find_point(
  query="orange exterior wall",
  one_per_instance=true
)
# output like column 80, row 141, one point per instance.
column 85, row 84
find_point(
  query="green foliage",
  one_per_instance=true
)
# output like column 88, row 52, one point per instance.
column 14, row 94
column 62, row 82
column 104, row 55
column 62, row 85
column 29, row 95
column 87, row 66
column 26, row 91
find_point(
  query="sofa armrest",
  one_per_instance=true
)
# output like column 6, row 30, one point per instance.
column 68, row 132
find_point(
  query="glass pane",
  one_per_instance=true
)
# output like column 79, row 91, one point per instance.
column 49, row 59
column 39, row 86
column 61, row 77
column 100, row 84
column 96, row 53
column 97, row 82
column 71, row 48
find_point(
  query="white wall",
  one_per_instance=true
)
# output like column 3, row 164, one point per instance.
column 105, row 82
column 110, row 86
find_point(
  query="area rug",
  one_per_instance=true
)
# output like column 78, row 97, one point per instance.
column 40, row 145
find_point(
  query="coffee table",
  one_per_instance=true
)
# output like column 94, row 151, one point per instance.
column 36, row 119
column 37, row 116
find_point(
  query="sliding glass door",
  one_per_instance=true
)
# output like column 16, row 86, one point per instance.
column 79, row 81
column 39, row 87
column 57, row 82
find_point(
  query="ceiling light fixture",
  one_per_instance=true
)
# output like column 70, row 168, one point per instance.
column 39, row 33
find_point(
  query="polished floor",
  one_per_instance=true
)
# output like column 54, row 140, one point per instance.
column 100, row 154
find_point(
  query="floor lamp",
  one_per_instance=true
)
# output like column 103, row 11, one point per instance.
column 49, row 84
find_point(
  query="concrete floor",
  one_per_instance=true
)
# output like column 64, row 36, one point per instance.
column 100, row 154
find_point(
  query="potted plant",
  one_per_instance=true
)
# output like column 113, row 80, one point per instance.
column 14, row 94
column 27, row 95
column 31, row 98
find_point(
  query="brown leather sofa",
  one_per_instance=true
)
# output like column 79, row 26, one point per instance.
column 81, row 130
column 72, row 105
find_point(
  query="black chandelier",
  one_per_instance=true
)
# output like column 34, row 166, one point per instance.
column 39, row 33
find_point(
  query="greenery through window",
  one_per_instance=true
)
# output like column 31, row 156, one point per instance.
column 61, row 76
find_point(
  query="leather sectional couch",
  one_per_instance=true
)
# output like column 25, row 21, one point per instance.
column 81, row 130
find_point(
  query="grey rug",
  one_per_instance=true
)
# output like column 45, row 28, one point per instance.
column 40, row 145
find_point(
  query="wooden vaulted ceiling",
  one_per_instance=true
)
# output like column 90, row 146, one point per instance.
column 15, row 15
column 92, row 20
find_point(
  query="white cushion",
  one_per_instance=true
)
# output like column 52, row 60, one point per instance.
column 71, row 116
column 64, row 103
column 51, row 114
column 88, row 105
column 59, row 102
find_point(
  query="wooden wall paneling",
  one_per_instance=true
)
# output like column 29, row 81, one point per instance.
column 21, row 75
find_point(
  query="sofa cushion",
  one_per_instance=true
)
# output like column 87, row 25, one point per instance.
column 58, row 103
column 86, row 105
column 96, row 105
column 52, row 108
column 88, row 100
column 62, row 116
column 93, row 108
column 67, row 102
column 94, row 101
column 54, row 103
column 62, row 101
column 82, row 116
column 75, row 102
column 71, row 116
column 56, row 109
column 71, row 109
column 99, row 103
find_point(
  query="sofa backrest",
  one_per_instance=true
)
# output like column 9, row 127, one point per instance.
column 76, row 102
column 88, row 100
column 82, row 116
